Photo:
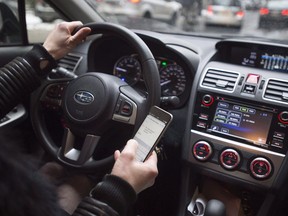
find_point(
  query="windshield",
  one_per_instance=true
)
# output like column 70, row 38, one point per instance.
column 265, row 19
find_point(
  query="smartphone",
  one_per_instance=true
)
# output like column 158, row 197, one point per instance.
column 151, row 131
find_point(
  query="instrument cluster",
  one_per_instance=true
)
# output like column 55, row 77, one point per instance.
column 173, row 79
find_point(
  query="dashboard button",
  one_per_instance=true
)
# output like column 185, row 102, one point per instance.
column 283, row 117
column 203, row 116
column 277, row 143
column 207, row 100
column 201, row 124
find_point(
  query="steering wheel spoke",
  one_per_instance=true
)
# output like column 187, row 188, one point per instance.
column 68, row 152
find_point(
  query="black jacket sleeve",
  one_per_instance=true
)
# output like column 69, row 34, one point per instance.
column 113, row 195
column 21, row 76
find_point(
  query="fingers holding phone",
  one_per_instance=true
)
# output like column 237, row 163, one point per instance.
column 138, row 174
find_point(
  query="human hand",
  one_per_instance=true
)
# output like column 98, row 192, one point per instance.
column 60, row 41
column 140, row 175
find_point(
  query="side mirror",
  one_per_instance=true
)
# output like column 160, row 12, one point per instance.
column 10, row 31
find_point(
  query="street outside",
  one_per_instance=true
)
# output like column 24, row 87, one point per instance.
column 38, row 30
column 249, row 28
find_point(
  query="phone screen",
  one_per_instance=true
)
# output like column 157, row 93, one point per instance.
column 150, row 132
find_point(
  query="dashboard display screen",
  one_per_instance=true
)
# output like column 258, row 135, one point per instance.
column 259, row 58
column 244, row 56
column 249, row 123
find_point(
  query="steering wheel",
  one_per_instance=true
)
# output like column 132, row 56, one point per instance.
column 93, row 103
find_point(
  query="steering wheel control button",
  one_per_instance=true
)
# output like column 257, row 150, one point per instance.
column 126, row 109
column 261, row 168
column 207, row 100
column 230, row 159
column 202, row 150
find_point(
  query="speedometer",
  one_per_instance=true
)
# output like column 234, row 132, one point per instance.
column 128, row 69
column 173, row 80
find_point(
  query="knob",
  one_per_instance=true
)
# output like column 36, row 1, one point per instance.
column 207, row 100
column 260, row 168
column 215, row 208
column 283, row 117
column 202, row 150
column 230, row 159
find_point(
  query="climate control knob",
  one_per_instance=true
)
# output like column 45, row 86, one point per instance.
column 230, row 159
column 260, row 168
column 202, row 150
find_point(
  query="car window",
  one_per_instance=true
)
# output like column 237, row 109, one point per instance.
column 40, row 19
column 226, row 2
column 9, row 23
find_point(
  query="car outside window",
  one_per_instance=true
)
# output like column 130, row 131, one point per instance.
column 226, row 2
column 40, row 19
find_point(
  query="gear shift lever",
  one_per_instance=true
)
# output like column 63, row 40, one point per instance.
column 215, row 208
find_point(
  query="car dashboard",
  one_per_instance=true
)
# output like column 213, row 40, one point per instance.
column 240, row 114
column 229, row 99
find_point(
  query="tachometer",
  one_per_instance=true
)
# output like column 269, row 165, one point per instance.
column 173, row 80
column 128, row 69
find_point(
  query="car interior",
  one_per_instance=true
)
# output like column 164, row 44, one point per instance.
column 228, row 96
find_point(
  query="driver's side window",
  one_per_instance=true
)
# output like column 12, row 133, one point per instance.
column 40, row 20
column 10, row 32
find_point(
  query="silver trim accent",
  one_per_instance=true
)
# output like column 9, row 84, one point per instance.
column 17, row 113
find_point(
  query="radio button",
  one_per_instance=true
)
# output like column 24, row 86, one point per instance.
column 230, row 159
column 279, row 135
column 260, row 168
column 201, row 124
column 277, row 143
column 203, row 116
column 202, row 150
column 207, row 100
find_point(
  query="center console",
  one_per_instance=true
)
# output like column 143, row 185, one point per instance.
column 240, row 114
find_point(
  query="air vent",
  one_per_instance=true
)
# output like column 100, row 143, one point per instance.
column 277, row 90
column 70, row 62
column 222, row 80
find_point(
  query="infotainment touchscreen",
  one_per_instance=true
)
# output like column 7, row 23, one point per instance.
column 245, row 122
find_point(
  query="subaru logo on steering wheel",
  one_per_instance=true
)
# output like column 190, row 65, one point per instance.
column 83, row 97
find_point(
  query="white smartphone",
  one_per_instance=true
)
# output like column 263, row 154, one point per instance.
column 151, row 131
